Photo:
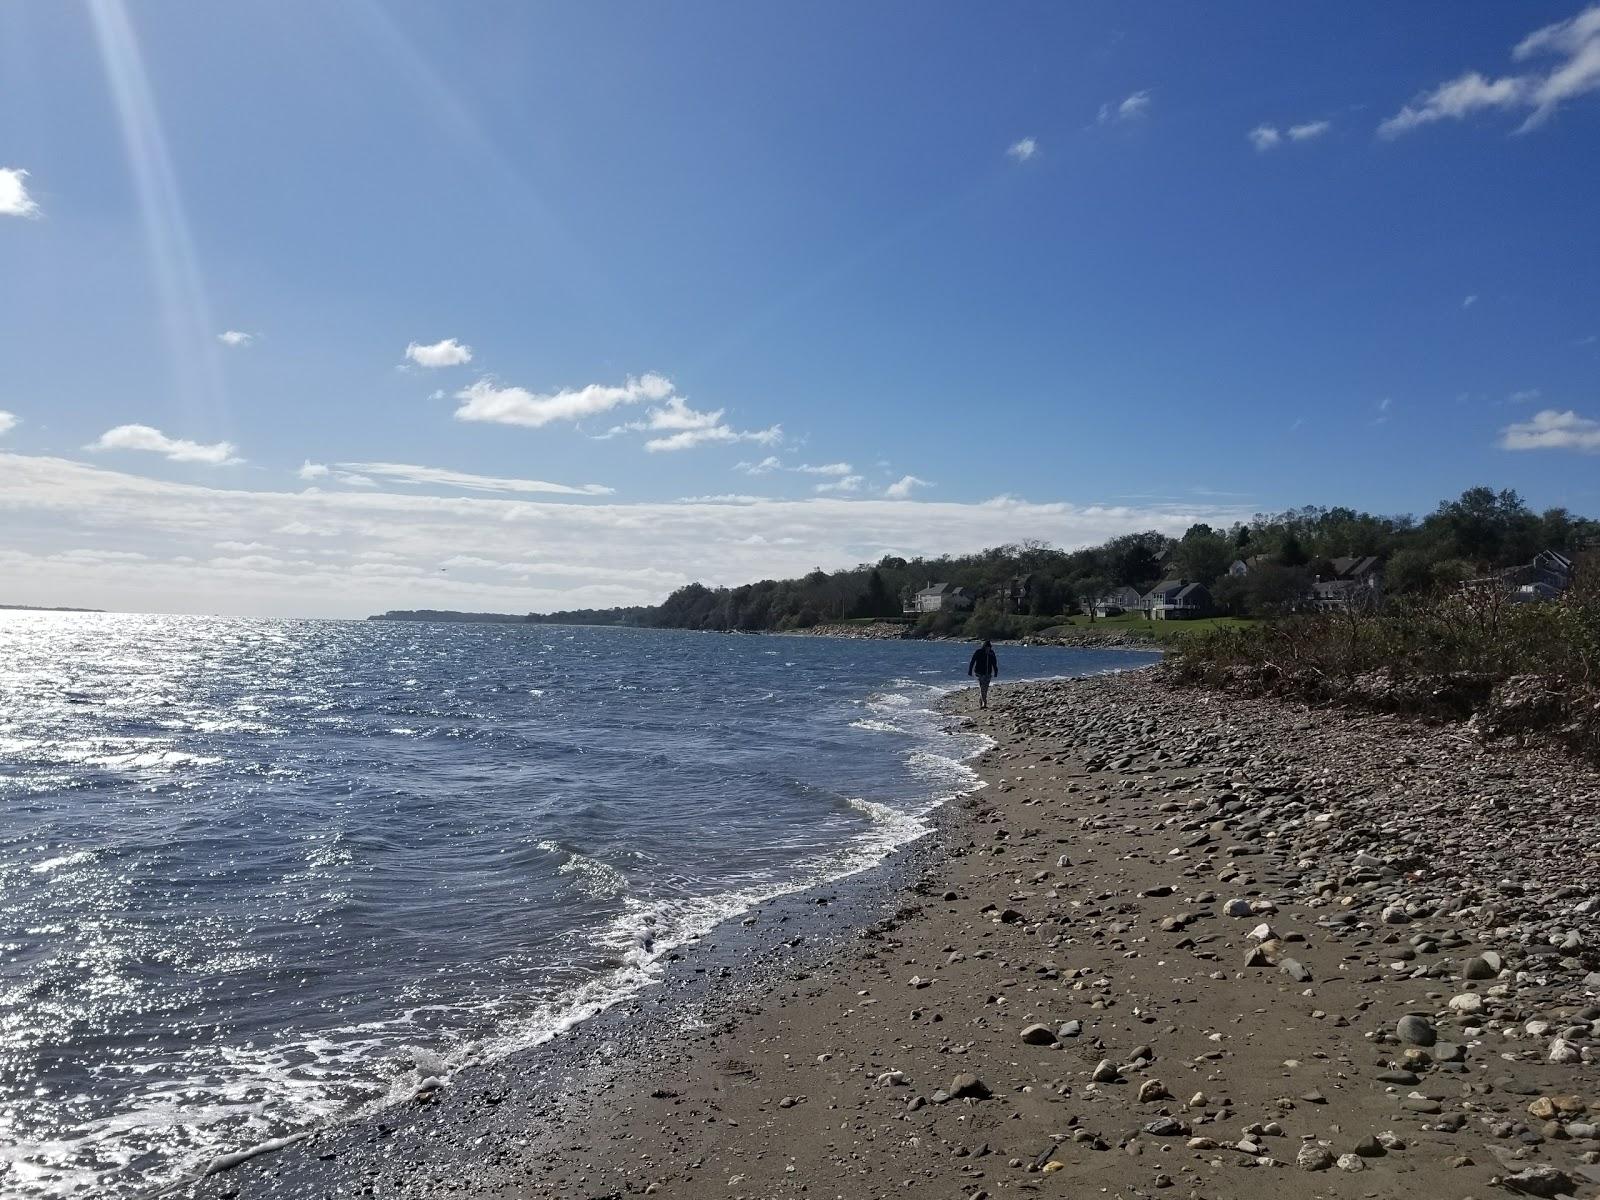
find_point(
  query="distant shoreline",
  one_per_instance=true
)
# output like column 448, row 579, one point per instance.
column 46, row 608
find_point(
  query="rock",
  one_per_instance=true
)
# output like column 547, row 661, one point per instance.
column 1106, row 1072
column 1070, row 1030
column 1238, row 908
column 892, row 1079
column 1422, row 1104
column 1480, row 968
column 968, row 1087
column 1396, row 914
column 1039, row 1035
column 1466, row 1003
column 1391, row 1141
column 1541, row 1180
column 1419, row 1031
column 1370, row 1147
column 1407, row 1078
column 1295, row 970
column 1153, row 1089
column 1564, row 1052
column 1166, row 1127
column 1313, row 1157
column 1351, row 1162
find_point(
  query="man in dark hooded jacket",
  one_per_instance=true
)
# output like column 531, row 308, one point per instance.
column 985, row 666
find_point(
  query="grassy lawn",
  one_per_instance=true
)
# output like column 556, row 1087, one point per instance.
column 1160, row 631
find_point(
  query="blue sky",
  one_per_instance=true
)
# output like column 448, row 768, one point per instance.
column 1000, row 271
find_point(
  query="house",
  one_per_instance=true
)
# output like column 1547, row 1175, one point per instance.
column 1118, row 601
column 940, row 597
column 1241, row 567
column 1532, row 593
column 1356, row 582
column 1177, row 600
column 1551, row 568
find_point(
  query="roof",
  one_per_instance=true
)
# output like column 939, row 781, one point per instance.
column 938, row 589
column 1355, row 565
column 1555, row 558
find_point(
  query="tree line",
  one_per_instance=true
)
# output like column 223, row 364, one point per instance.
column 1024, row 586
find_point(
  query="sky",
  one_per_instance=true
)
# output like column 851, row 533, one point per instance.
column 326, row 309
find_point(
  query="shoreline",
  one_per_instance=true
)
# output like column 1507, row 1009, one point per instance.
column 1066, row 937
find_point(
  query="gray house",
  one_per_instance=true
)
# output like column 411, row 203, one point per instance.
column 940, row 597
column 1118, row 601
column 1178, row 600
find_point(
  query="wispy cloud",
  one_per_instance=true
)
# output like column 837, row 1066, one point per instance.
column 1270, row 137
column 14, row 198
column 310, row 470
column 8, row 421
column 902, row 488
column 236, row 338
column 1265, row 137
column 486, row 401
column 1024, row 150
column 1525, row 396
column 1469, row 300
column 835, row 468
column 443, row 477
column 448, row 353
column 1553, row 429
column 685, row 427
column 351, row 552
column 1129, row 109
column 849, row 483
column 146, row 438
column 766, row 466
column 1309, row 130
column 1573, row 48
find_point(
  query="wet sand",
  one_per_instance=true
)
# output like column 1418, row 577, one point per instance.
column 1183, row 944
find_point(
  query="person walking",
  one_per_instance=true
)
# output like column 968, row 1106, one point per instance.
column 985, row 666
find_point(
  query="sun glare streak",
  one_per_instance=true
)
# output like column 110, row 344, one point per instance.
column 185, row 309
column 444, row 106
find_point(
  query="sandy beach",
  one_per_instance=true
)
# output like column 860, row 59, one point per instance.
column 1182, row 944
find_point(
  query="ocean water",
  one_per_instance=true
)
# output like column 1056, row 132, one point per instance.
column 259, row 874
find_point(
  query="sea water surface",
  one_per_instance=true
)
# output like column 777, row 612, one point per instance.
column 258, row 874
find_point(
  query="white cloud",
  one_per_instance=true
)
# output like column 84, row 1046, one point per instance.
column 849, row 483
column 1264, row 137
column 902, row 488
column 8, row 421
column 1525, row 396
column 448, row 353
column 1129, row 109
column 1024, row 150
column 688, row 427
column 443, row 477
column 14, row 198
column 144, row 437
column 311, row 470
column 236, row 337
column 1574, row 44
column 349, row 553
column 766, row 466
column 483, row 401
column 1270, row 137
column 1552, row 429
column 836, row 468
column 708, row 435
column 1309, row 130
column 1469, row 301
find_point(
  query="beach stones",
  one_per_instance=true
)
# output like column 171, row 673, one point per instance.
column 1313, row 1157
column 1039, row 1035
column 1153, row 1089
column 1106, row 1072
column 1482, row 966
column 1416, row 1030
column 967, row 1086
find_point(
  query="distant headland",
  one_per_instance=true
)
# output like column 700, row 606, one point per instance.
column 45, row 608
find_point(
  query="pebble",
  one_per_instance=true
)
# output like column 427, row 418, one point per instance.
column 1419, row 1031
